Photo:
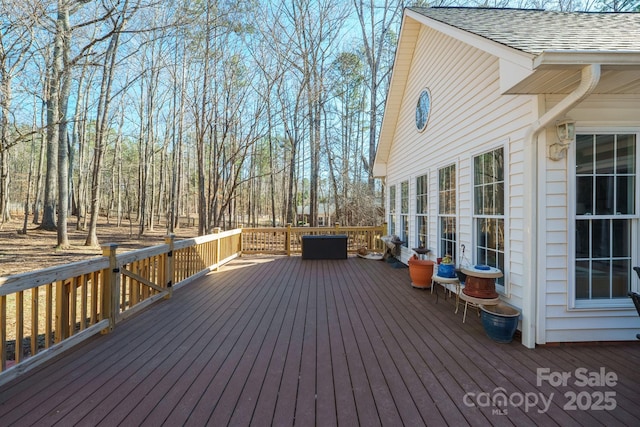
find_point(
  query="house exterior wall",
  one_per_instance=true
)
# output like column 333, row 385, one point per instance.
column 468, row 117
column 563, row 323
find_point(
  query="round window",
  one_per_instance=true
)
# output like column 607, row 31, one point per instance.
column 422, row 110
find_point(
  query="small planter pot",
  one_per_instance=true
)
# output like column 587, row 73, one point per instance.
column 447, row 270
column 500, row 322
column 421, row 272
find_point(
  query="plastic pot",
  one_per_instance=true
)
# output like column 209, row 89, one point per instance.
column 421, row 272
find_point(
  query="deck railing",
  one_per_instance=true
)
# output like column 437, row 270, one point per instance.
column 288, row 240
column 45, row 311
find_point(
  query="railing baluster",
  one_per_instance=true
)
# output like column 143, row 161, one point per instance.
column 84, row 291
column 73, row 305
column 48, row 330
column 19, row 326
column 94, row 298
column 62, row 311
column 34, row 319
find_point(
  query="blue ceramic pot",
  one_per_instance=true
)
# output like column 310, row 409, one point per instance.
column 500, row 322
column 447, row 270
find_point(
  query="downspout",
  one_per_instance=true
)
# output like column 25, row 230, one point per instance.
column 533, row 298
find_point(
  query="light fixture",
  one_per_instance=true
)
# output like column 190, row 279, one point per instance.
column 566, row 131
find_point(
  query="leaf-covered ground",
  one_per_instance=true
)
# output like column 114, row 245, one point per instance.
column 37, row 249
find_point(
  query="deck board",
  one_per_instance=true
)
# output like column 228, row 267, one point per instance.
column 172, row 371
column 264, row 410
column 364, row 400
column 346, row 410
column 446, row 354
column 256, row 373
column 284, row 341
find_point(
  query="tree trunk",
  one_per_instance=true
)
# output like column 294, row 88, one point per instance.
column 27, row 201
column 79, row 141
column 4, row 186
column 118, row 167
column 108, row 69
column 272, row 183
column 5, row 104
column 63, row 153
column 39, row 178
column 53, row 118
column 201, row 131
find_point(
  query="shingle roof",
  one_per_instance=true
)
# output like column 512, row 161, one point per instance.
column 535, row 31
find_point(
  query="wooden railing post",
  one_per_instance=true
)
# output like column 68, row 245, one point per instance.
column 383, row 232
column 217, row 230
column 62, row 311
column 287, row 240
column 110, row 287
column 169, row 264
column 371, row 235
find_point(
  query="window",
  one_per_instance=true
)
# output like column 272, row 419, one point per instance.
column 488, row 212
column 423, row 108
column 404, row 212
column 392, row 210
column 605, row 220
column 422, row 220
column 447, row 210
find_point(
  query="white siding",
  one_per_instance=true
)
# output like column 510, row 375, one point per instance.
column 562, row 323
column 468, row 116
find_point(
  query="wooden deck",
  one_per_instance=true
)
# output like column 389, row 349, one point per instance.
column 283, row 341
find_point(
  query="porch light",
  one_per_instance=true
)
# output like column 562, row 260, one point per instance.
column 566, row 131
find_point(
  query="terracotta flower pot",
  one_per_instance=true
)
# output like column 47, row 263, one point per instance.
column 421, row 272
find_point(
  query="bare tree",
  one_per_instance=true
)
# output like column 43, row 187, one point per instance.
column 16, row 37
column 224, row 124
column 179, row 83
column 379, row 23
column 118, row 21
column 310, row 30
column 57, row 120
column 618, row 5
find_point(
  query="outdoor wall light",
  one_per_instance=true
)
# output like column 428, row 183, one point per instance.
column 566, row 131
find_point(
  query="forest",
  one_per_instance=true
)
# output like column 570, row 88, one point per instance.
column 254, row 113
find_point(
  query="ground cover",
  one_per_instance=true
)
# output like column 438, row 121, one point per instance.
column 37, row 248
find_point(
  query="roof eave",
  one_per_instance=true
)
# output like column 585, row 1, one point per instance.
column 559, row 71
column 399, row 74
column 563, row 58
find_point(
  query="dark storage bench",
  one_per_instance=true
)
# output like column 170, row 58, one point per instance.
column 324, row 247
